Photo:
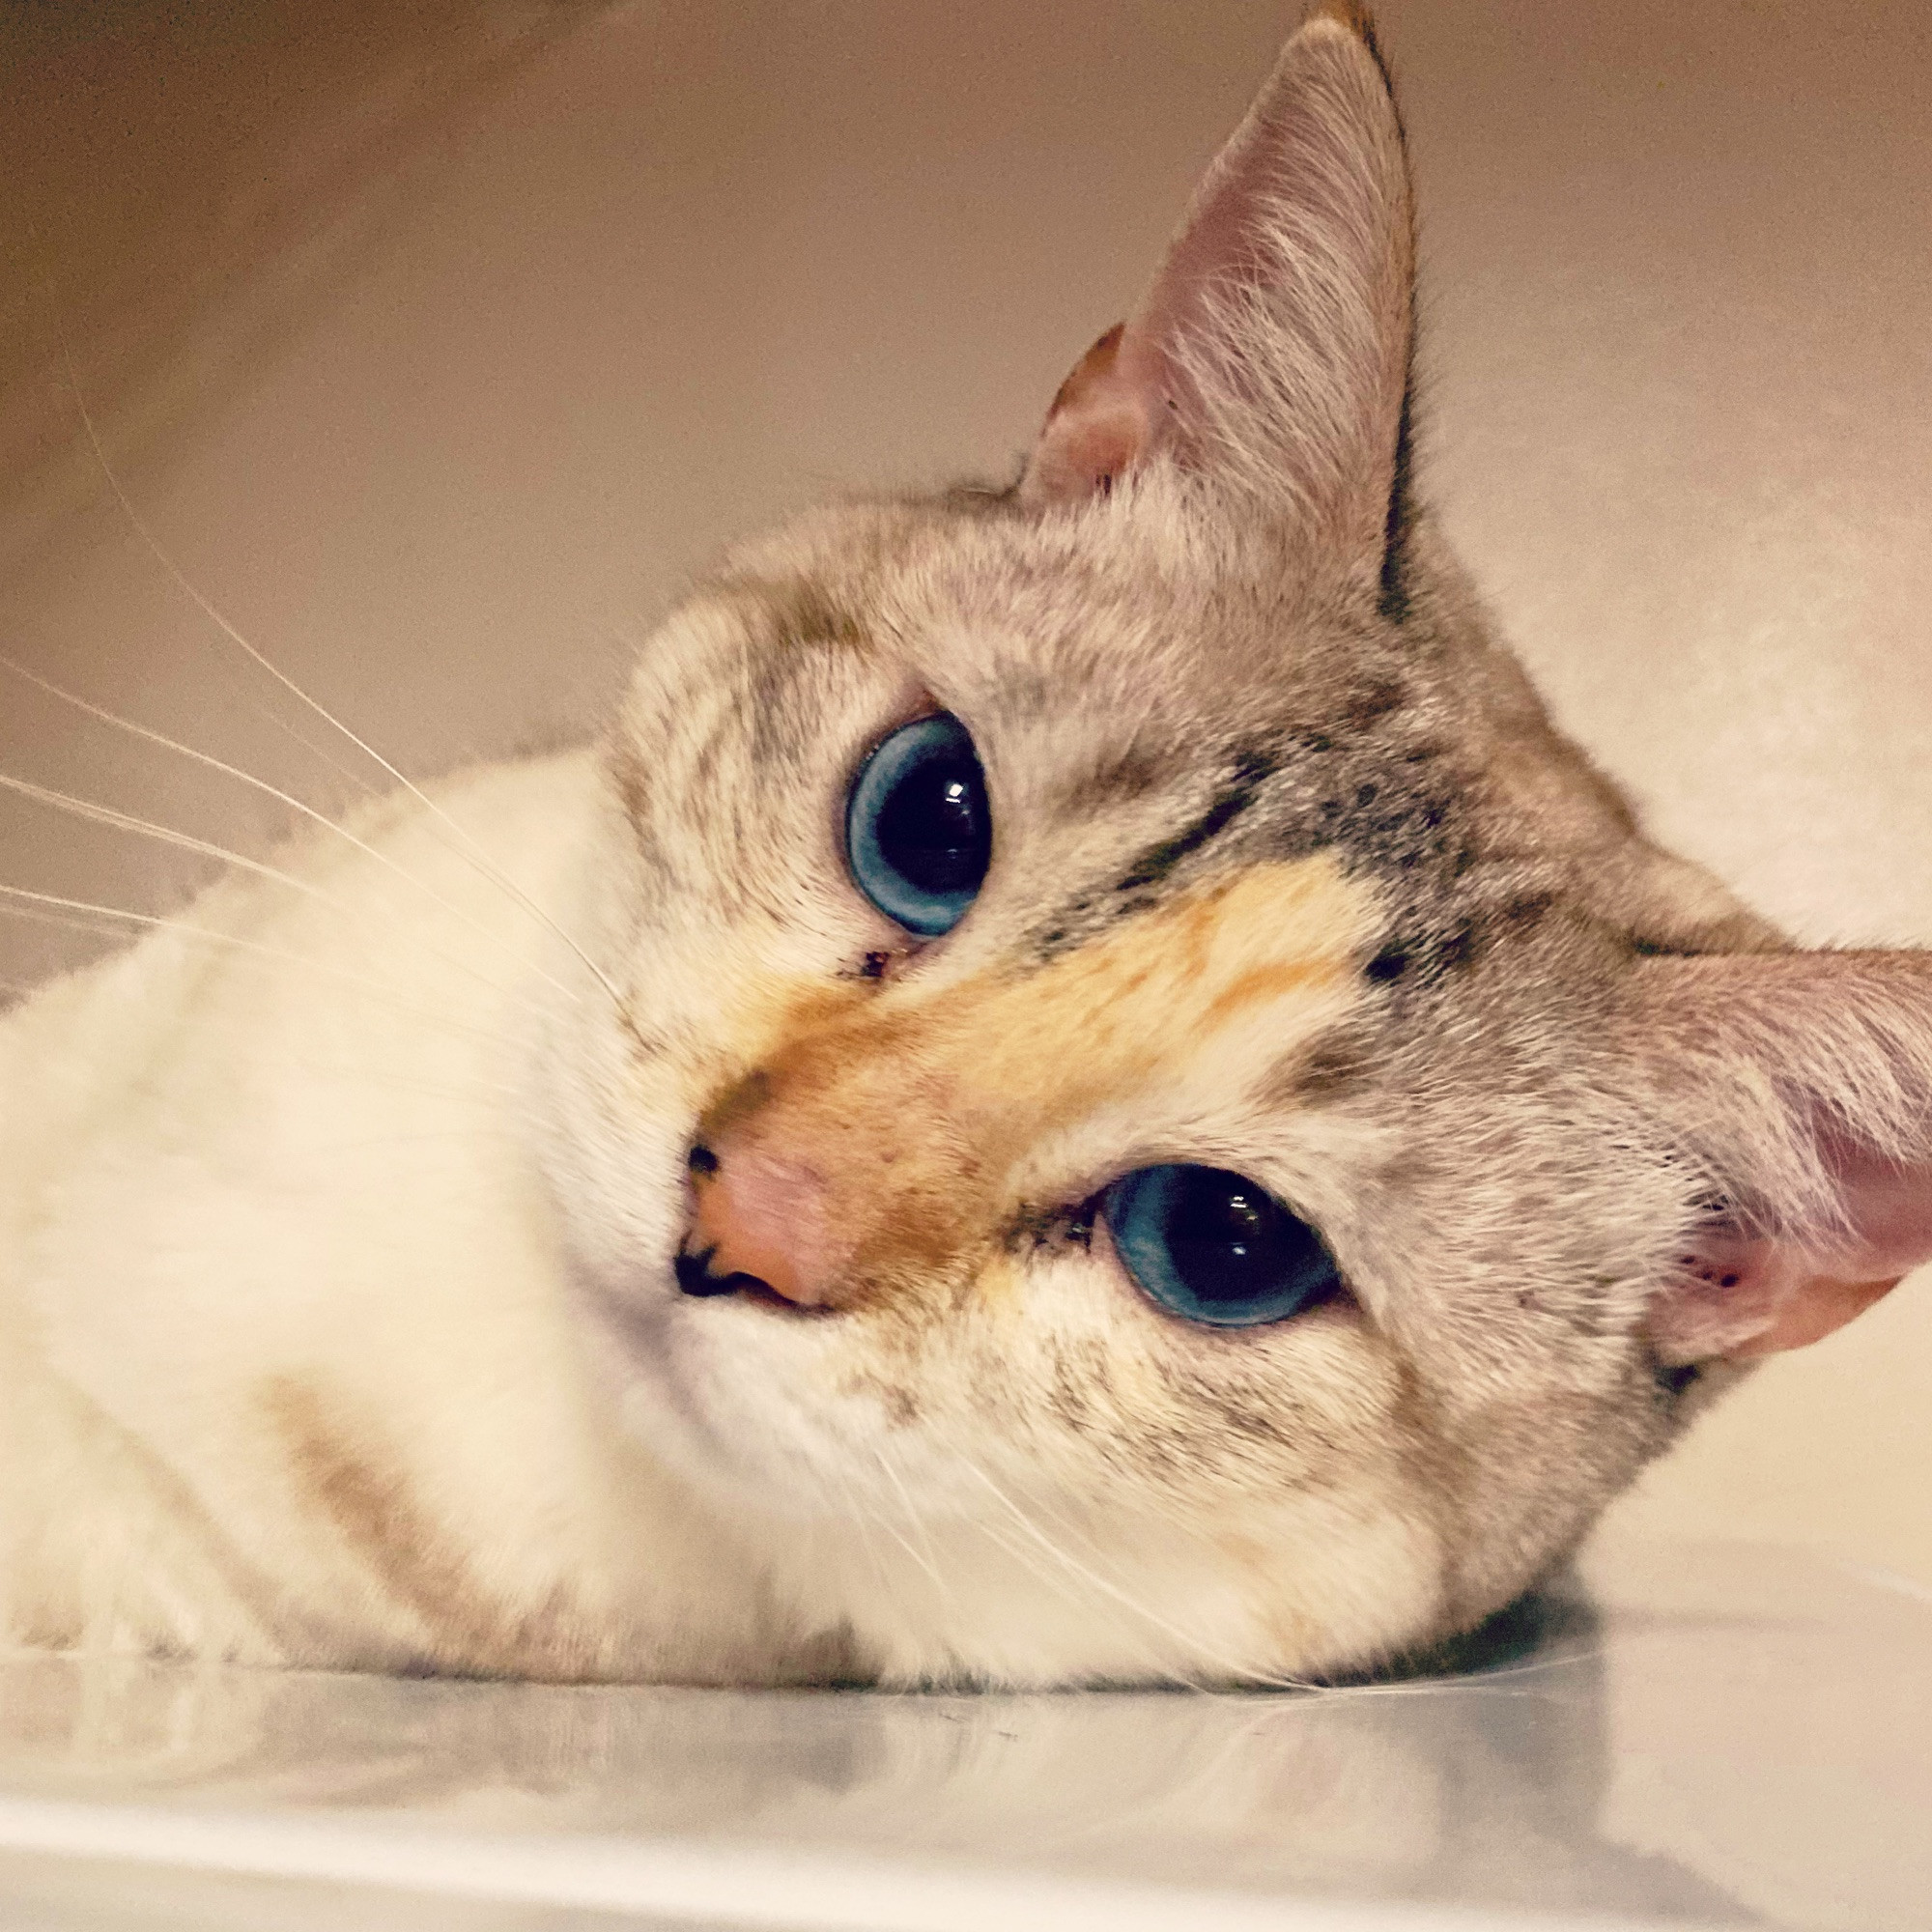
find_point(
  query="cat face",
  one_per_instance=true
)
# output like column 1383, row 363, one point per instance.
column 1244, row 913
column 1148, row 1073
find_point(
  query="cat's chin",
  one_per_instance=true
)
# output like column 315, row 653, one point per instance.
column 730, row 1384
column 662, row 1356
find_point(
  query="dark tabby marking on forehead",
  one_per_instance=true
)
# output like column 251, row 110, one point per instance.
column 1335, row 1065
column 796, row 609
column 1305, row 792
column 1423, row 958
column 1252, row 770
column 1123, row 777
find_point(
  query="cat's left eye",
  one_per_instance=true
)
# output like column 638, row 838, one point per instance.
column 919, row 835
column 1208, row 1245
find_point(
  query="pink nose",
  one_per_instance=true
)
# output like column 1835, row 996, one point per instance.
column 763, row 1215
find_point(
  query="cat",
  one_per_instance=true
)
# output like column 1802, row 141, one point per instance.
column 1080, row 1090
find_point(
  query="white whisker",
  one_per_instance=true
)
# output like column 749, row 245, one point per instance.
column 929, row 1562
column 1071, row 1580
column 1113, row 1590
column 1068, row 1587
column 48, row 907
column 122, row 821
column 1177, row 1519
column 365, row 785
column 71, row 921
column 475, row 853
column 858, row 1516
column 105, row 814
column 885, row 1522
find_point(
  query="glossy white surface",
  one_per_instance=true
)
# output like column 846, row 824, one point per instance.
column 1701, row 1736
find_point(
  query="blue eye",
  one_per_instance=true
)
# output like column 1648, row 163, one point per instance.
column 919, row 835
column 1213, row 1247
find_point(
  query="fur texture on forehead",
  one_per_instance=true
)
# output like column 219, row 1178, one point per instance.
column 1165, row 641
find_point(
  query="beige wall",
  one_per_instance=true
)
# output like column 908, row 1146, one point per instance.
column 437, row 342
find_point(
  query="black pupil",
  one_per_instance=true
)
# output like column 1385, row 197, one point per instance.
column 1229, row 1241
column 933, row 827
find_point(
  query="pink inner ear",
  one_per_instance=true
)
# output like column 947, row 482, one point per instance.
column 1097, row 429
column 1737, row 1297
column 1742, row 1295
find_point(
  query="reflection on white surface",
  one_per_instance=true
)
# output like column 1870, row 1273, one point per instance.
column 1711, row 1736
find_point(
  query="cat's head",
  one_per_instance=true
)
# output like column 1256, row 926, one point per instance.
column 1166, row 1124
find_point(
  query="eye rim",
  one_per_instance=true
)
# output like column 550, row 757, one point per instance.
column 927, row 916
column 1154, row 1274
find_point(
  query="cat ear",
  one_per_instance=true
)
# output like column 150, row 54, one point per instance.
column 1801, row 1084
column 1273, row 348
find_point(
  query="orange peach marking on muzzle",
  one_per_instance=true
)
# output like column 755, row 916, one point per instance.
column 871, row 1155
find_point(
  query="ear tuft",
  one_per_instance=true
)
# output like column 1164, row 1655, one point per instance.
column 1355, row 18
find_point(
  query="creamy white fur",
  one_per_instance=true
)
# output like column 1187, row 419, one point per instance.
column 221, row 1160
column 229, row 1168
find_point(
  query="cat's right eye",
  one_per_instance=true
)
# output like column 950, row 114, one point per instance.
column 919, row 835
column 1212, row 1247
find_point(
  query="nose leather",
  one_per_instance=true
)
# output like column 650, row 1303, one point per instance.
column 763, row 1215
